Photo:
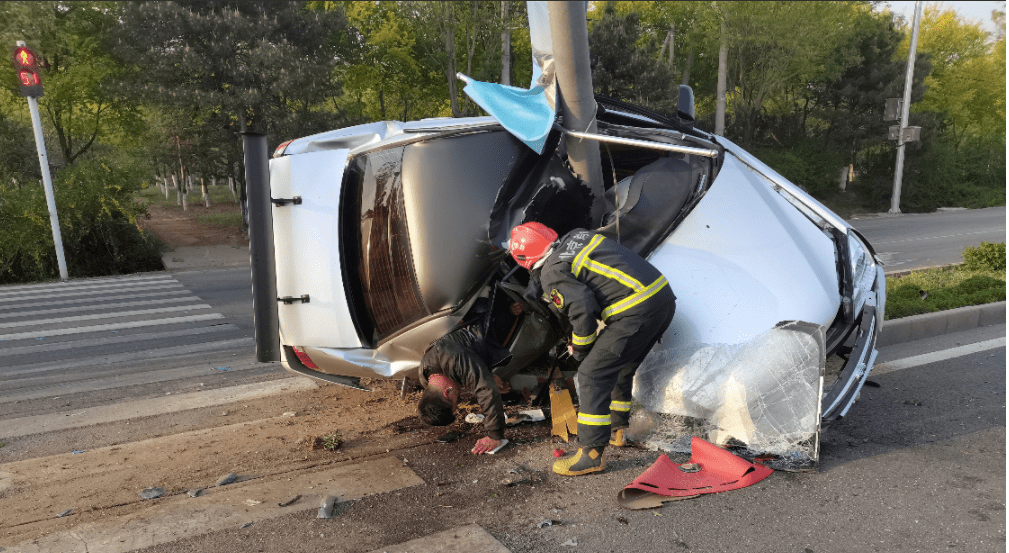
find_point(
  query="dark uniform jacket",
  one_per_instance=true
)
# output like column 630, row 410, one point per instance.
column 589, row 278
column 465, row 356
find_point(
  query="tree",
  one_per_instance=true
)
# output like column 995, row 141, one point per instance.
column 79, row 103
column 625, row 69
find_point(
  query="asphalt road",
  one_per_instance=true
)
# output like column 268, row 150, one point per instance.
column 919, row 240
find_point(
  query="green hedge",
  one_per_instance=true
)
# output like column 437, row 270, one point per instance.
column 98, row 220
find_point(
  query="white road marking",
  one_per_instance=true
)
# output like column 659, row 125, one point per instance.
column 142, row 355
column 107, row 327
column 129, row 286
column 115, row 315
column 115, row 380
column 97, row 306
column 82, row 284
column 53, row 422
column 126, row 338
column 936, row 356
column 923, row 238
column 151, row 294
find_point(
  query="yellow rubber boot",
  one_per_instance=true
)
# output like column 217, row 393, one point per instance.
column 585, row 461
column 618, row 438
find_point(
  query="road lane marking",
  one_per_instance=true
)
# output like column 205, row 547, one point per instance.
column 115, row 380
column 151, row 294
column 97, row 306
column 93, row 342
column 53, row 422
column 79, row 284
column 132, row 287
column 114, row 315
column 107, row 327
column 922, row 238
column 125, row 357
column 936, row 356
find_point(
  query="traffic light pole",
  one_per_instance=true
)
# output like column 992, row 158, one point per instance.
column 898, row 172
column 47, row 182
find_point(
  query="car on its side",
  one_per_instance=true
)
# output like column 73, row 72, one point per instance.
column 402, row 226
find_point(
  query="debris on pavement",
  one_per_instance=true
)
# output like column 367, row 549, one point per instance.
column 227, row 479
column 711, row 470
column 474, row 418
column 195, row 493
column 326, row 509
column 225, row 369
column 504, row 442
column 571, row 543
column 152, row 493
column 558, row 453
column 252, row 502
column 64, row 513
column 289, row 501
column 546, row 523
column 246, row 525
column 289, row 414
column 78, row 451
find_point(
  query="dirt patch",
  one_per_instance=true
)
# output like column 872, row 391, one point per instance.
column 103, row 484
column 177, row 227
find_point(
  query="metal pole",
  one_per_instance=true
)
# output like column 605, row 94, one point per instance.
column 570, row 37
column 723, row 61
column 47, row 182
column 898, row 173
column 261, row 252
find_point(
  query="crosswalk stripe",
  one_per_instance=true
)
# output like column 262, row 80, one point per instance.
column 143, row 355
column 96, row 307
column 82, row 284
column 107, row 327
column 122, row 339
column 115, row 315
column 93, row 292
column 151, row 294
column 120, row 381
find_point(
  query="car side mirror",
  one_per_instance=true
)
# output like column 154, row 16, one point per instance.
column 685, row 101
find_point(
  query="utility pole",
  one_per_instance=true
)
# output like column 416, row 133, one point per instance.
column 898, row 173
column 506, row 45
column 26, row 65
column 570, row 38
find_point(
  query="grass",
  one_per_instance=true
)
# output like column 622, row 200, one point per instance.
column 222, row 219
column 940, row 289
column 152, row 195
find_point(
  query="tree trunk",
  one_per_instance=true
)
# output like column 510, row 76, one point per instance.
column 178, row 190
column 689, row 65
column 506, row 46
column 450, row 54
column 206, row 195
column 723, row 59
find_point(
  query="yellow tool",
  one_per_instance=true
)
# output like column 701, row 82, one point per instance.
column 562, row 409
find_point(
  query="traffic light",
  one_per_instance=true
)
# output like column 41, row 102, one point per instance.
column 27, row 69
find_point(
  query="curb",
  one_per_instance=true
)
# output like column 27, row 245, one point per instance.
column 928, row 325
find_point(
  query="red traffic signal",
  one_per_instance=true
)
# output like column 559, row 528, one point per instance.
column 27, row 69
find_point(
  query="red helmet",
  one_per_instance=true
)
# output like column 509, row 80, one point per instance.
column 529, row 242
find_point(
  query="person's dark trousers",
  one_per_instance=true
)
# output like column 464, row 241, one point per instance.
column 606, row 375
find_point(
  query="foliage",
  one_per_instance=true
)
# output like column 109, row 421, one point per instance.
column 941, row 289
column 985, row 257
column 626, row 69
column 98, row 223
column 78, row 103
column 331, row 441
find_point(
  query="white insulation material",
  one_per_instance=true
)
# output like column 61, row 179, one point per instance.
column 763, row 394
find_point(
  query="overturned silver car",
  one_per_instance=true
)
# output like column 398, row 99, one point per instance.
column 401, row 227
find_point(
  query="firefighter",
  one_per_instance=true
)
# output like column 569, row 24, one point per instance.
column 461, row 362
column 590, row 278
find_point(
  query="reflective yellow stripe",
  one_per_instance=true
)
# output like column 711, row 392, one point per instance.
column 617, row 275
column 620, row 405
column 635, row 299
column 593, row 420
column 583, row 255
column 582, row 340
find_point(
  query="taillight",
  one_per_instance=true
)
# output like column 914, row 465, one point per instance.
column 305, row 360
column 280, row 149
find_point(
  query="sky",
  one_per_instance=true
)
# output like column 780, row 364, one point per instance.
column 971, row 11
